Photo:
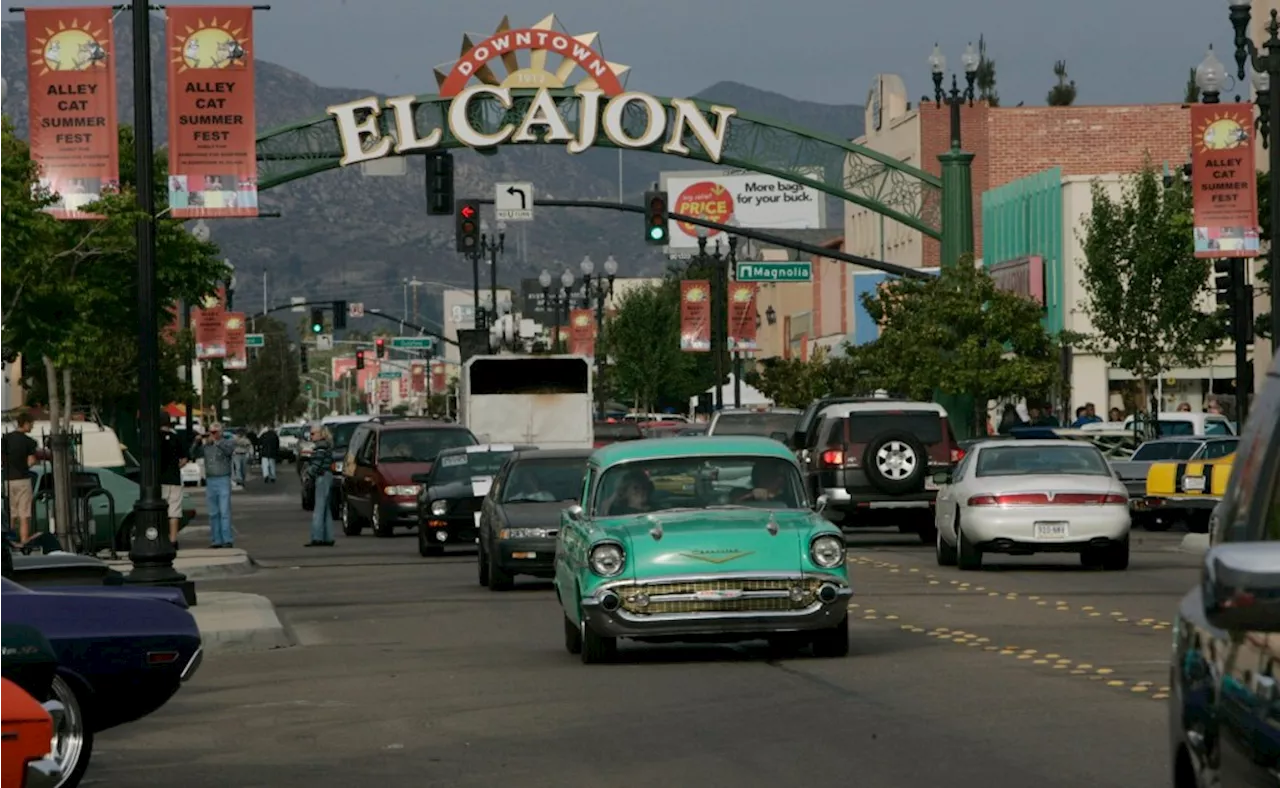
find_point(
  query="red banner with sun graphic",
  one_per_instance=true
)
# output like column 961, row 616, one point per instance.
column 72, row 85
column 1224, row 180
column 213, row 167
column 695, row 315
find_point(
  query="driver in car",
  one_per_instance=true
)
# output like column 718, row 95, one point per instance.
column 634, row 495
column 768, row 483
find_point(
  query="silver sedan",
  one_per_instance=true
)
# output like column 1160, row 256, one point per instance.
column 1032, row 496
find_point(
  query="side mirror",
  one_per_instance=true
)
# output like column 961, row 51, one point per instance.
column 574, row 513
column 942, row 477
column 821, row 504
column 1240, row 586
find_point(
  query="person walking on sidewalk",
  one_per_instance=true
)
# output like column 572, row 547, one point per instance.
column 217, row 450
column 240, row 461
column 172, row 458
column 19, row 450
column 320, row 466
column 268, row 453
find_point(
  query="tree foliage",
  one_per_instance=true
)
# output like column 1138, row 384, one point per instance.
column 1062, row 94
column 794, row 383
column 643, row 340
column 959, row 334
column 1143, row 284
column 985, row 77
column 268, row 390
column 70, row 286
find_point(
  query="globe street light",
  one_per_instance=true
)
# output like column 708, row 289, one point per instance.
column 598, row 289
column 1210, row 76
column 566, row 282
column 200, row 231
column 1266, row 69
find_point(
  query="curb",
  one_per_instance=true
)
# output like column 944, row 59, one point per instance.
column 232, row 623
column 1195, row 543
column 238, row 565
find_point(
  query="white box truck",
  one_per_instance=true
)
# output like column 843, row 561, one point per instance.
column 545, row 401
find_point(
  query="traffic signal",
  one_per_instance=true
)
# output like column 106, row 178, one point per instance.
column 307, row 386
column 467, row 220
column 440, row 184
column 359, row 359
column 1225, row 287
column 302, row 358
column 339, row 314
column 381, row 344
column 317, row 321
column 655, row 217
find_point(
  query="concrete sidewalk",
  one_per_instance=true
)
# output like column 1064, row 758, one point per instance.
column 204, row 563
column 232, row 622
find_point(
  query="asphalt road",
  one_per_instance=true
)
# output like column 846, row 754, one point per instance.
column 409, row 673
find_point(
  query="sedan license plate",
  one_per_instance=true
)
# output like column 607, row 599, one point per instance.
column 1193, row 484
column 1051, row 530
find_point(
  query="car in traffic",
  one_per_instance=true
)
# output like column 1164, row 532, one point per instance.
column 27, row 726
column 701, row 539
column 122, row 653
column 1224, row 708
column 454, row 492
column 520, row 517
column 875, row 458
column 776, row 423
column 378, row 490
column 1032, row 496
column 1186, row 493
column 1134, row 471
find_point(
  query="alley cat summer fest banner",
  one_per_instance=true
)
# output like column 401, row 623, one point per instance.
column 213, row 170
column 72, row 111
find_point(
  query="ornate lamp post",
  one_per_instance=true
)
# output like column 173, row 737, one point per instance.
column 1266, row 72
column 566, row 298
column 600, row 290
column 957, row 182
column 493, row 247
column 200, row 231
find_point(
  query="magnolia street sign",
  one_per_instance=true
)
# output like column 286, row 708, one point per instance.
column 389, row 374
column 255, row 340
column 544, row 121
column 411, row 343
column 773, row 272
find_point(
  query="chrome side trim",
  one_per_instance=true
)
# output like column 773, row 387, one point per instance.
column 193, row 664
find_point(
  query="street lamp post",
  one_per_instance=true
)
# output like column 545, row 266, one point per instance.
column 566, row 284
column 600, row 290
column 719, row 309
column 957, row 181
column 1266, row 72
column 150, row 551
column 493, row 247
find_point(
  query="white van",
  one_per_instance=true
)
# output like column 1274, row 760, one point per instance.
column 1177, row 423
column 100, row 447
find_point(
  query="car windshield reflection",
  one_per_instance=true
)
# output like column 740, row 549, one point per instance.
column 698, row 483
column 545, row 481
column 464, row 466
column 420, row 445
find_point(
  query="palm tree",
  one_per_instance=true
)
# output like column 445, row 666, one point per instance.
column 986, row 75
column 1063, row 94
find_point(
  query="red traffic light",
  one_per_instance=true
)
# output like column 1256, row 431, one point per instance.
column 380, row 341
column 467, row 211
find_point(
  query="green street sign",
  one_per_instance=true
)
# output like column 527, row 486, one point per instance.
column 255, row 340
column 389, row 374
column 774, row 272
column 332, row 394
column 412, row 343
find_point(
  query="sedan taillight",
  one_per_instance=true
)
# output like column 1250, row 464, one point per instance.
column 1045, row 499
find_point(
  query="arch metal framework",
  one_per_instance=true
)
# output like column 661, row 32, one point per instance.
column 842, row 169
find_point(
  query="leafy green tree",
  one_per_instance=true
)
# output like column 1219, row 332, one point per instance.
column 794, row 383
column 1143, row 284
column 268, row 390
column 985, row 77
column 1062, row 94
column 643, row 339
column 959, row 334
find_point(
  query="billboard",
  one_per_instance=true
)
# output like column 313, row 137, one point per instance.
column 742, row 198
column 866, row 329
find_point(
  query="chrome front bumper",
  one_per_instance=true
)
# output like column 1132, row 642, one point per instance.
column 604, row 613
column 44, row 773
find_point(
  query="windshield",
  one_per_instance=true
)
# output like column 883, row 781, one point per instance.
column 762, row 424
column 545, row 480
column 698, row 482
column 420, row 445
column 464, row 466
column 342, row 432
column 1042, row 460
column 1165, row 450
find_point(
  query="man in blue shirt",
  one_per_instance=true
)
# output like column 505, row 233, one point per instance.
column 1086, row 415
column 217, row 451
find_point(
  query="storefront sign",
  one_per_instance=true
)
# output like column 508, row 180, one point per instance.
column 1224, row 180
column 71, row 81
column 1023, row 276
column 213, row 168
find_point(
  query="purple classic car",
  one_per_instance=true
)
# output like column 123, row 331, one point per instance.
column 122, row 653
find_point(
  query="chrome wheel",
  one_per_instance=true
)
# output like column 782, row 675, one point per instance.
column 71, row 742
column 896, row 460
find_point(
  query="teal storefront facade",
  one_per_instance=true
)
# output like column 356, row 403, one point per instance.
column 1022, row 235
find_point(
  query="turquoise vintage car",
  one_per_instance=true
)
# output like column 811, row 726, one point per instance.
column 701, row 539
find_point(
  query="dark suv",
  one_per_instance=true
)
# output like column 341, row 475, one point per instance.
column 874, row 461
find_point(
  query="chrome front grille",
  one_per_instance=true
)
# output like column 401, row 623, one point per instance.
column 735, row 595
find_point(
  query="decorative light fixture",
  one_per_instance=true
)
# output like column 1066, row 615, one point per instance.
column 771, row 315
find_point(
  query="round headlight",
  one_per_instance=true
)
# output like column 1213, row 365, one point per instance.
column 827, row 551
column 607, row 560
column 439, row 507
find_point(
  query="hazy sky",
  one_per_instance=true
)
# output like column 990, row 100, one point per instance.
column 1117, row 51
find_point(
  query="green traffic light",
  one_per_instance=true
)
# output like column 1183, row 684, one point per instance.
column 657, row 233
column 316, row 328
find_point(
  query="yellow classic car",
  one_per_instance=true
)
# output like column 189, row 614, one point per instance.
column 1185, row 492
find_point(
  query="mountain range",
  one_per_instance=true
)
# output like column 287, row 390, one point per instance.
column 343, row 235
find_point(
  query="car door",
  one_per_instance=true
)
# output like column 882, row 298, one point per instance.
column 348, row 479
column 489, row 521
column 363, row 478
column 947, row 496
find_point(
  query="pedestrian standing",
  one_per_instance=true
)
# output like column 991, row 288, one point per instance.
column 269, row 453
column 172, row 458
column 240, row 461
column 19, row 450
column 321, row 469
column 217, row 451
